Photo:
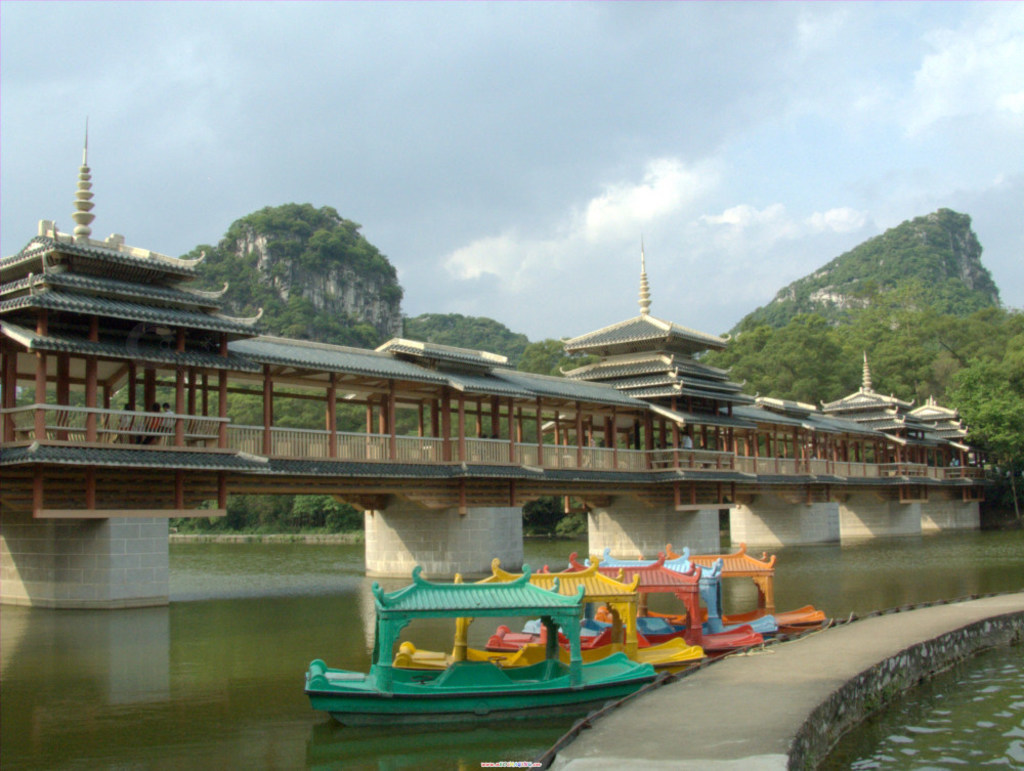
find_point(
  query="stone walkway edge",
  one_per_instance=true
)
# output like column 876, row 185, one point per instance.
column 786, row 704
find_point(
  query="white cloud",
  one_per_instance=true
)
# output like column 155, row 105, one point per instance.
column 841, row 220
column 978, row 69
column 602, row 226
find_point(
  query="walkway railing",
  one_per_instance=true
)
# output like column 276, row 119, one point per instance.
column 74, row 425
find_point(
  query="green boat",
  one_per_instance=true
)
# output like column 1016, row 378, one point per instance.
column 472, row 690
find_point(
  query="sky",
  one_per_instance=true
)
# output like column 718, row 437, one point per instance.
column 509, row 157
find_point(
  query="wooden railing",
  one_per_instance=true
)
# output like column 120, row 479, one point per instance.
column 73, row 425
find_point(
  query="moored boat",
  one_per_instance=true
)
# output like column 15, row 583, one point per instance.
column 470, row 690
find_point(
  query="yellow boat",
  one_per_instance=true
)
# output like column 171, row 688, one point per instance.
column 621, row 600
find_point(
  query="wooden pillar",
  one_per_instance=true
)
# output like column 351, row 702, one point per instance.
column 495, row 418
column 421, row 420
column 446, row 424
column 179, row 396
column 393, row 438
column 90, row 487
column 40, row 414
column 8, row 385
column 222, row 409
column 91, row 367
column 462, row 427
column 205, row 391
column 511, row 438
column 540, row 436
column 179, row 489
column 615, row 438
column 192, row 385
column 479, row 418
column 148, row 388
column 268, row 408
column 435, row 418
column 222, row 490
column 332, row 415
column 133, row 377
column 38, row 494
column 579, row 436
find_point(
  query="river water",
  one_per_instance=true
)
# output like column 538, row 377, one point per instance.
column 215, row 679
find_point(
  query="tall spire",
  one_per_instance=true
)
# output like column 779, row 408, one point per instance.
column 645, row 290
column 866, row 380
column 83, row 197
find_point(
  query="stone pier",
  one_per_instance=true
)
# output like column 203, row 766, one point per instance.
column 872, row 514
column 945, row 510
column 444, row 542
column 631, row 529
column 766, row 519
column 120, row 562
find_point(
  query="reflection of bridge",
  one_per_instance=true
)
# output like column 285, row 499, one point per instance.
column 440, row 446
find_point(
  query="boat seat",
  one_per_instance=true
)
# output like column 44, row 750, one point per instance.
column 468, row 674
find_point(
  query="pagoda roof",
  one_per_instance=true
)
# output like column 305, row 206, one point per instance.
column 597, row 587
column 109, row 259
column 152, row 294
column 736, row 564
column 865, row 399
column 123, row 349
column 644, row 332
column 427, row 599
column 654, row 577
column 55, row 300
column 434, row 353
column 638, row 364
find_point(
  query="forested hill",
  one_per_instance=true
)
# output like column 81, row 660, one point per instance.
column 311, row 271
column 475, row 332
column 935, row 258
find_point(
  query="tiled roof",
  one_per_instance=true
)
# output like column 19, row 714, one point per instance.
column 121, row 349
column 669, row 391
column 123, row 456
column 563, row 388
column 153, row 294
column 516, row 598
column 643, row 329
column 863, row 399
column 103, row 260
column 597, row 587
column 85, row 304
column 434, row 352
column 332, row 358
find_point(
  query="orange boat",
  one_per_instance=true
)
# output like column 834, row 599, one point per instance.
column 739, row 564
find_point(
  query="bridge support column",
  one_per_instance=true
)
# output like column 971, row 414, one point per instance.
column 945, row 510
column 631, row 529
column 442, row 541
column 78, row 563
column 766, row 519
column 874, row 515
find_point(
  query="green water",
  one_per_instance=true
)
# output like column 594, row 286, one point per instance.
column 215, row 680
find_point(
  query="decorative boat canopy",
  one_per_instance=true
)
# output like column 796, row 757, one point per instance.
column 597, row 587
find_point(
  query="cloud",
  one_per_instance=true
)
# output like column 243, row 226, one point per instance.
column 841, row 220
column 978, row 69
column 616, row 216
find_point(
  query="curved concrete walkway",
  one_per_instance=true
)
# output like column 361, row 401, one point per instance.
column 785, row 705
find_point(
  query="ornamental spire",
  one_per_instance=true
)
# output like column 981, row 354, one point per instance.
column 83, row 197
column 866, row 380
column 645, row 290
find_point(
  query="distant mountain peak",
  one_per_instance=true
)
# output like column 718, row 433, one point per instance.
column 938, row 254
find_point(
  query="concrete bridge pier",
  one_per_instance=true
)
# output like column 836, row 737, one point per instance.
column 769, row 519
column 444, row 542
column 631, row 529
column 116, row 562
column 870, row 514
column 945, row 510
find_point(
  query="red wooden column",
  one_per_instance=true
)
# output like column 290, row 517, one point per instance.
column 579, row 436
column 133, row 377
column 222, row 414
column 63, row 390
column 268, row 408
column 332, row 415
column 179, row 393
column 462, row 427
column 511, row 435
column 91, row 368
column 40, row 414
column 446, row 425
column 540, row 437
column 615, row 438
column 393, row 438
column 8, row 385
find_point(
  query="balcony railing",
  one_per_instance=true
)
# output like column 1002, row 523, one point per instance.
column 74, row 425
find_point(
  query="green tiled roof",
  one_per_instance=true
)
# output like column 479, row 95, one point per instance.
column 644, row 329
column 128, row 458
column 105, row 260
column 515, row 598
column 547, row 386
column 434, row 352
column 120, row 349
column 149, row 293
column 85, row 304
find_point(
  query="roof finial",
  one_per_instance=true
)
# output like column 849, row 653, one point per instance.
column 83, row 197
column 866, row 380
column 645, row 290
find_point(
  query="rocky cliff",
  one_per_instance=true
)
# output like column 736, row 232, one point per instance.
column 313, row 273
column 935, row 258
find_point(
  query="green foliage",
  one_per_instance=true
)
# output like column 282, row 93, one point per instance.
column 938, row 254
column 277, row 514
column 475, row 332
column 303, row 249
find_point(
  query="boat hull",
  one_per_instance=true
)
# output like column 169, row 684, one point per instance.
column 355, row 699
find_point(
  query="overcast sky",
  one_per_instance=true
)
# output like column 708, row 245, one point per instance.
column 508, row 157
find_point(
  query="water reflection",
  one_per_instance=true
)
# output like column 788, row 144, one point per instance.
column 215, row 680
